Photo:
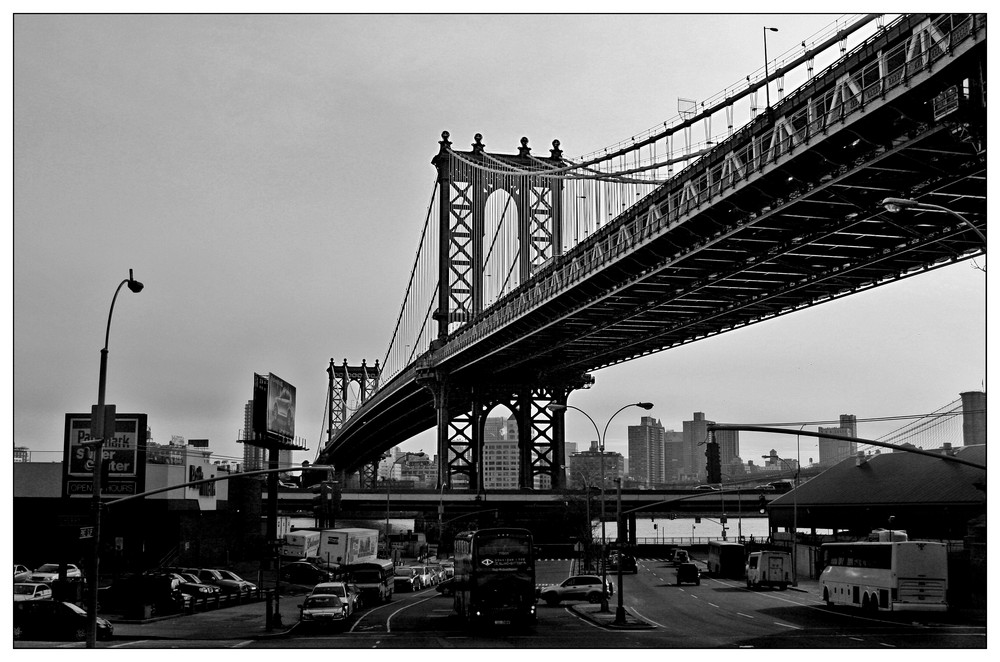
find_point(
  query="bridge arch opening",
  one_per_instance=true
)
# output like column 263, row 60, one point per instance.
column 500, row 249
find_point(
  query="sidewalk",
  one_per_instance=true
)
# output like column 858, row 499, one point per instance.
column 247, row 621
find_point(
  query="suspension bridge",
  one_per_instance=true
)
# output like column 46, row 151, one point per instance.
column 867, row 165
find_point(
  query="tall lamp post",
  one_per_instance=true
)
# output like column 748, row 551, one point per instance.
column 600, row 445
column 767, row 84
column 100, row 421
column 795, row 516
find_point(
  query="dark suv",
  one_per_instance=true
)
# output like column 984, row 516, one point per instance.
column 627, row 562
column 689, row 573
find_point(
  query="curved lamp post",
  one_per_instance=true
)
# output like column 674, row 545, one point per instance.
column 98, row 444
column 600, row 445
column 899, row 204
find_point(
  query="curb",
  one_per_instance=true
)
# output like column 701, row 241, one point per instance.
column 635, row 625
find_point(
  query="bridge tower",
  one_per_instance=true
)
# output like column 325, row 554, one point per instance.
column 342, row 404
column 467, row 181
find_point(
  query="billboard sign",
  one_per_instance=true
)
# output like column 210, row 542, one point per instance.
column 280, row 407
column 124, row 455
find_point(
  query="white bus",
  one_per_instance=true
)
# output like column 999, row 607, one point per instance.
column 886, row 576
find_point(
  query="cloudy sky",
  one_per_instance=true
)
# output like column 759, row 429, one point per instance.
column 267, row 178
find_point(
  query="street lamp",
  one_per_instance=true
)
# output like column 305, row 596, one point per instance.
column 600, row 445
column 767, row 84
column 795, row 516
column 899, row 204
column 620, row 612
column 100, row 433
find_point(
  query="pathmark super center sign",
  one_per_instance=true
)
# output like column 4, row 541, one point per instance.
column 124, row 455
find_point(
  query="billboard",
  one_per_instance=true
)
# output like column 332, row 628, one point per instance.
column 124, row 454
column 280, row 407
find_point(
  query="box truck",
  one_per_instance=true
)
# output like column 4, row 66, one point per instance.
column 769, row 569
column 300, row 544
column 347, row 546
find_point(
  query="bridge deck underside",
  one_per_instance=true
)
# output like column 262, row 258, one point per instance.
column 808, row 229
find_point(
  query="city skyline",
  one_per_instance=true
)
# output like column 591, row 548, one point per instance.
column 266, row 178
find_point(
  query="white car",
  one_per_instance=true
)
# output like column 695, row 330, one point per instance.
column 48, row 573
column 30, row 591
column 21, row 573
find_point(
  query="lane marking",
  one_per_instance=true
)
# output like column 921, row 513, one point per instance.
column 855, row 639
column 130, row 643
column 648, row 620
column 740, row 613
column 714, row 605
column 786, row 625
column 241, row 644
column 388, row 629
column 887, row 645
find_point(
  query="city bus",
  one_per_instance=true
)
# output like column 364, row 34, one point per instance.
column 886, row 576
column 375, row 579
column 494, row 581
column 726, row 559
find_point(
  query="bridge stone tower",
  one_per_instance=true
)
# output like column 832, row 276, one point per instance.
column 466, row 181
column 341, row 403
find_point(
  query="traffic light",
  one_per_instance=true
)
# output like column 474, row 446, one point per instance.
column 714, row 466
column 762, row 504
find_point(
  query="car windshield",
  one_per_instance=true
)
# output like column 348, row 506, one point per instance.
column 322, row 601
column 24, row 589
column 226, row 574
column 190, row 579
column 404, row 572
column 331, row 590
column 49, row 567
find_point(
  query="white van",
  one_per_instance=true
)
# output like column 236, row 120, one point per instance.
column 769, row 569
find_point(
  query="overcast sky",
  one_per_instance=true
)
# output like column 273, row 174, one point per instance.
column 267, row 178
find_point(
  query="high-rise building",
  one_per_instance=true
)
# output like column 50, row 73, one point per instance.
column 674, row 452
column 587, row 469
column 645, row 451
column 729, row 449
column 695, row 433
column 832, row 451
column 973, row 418
column 500, row 454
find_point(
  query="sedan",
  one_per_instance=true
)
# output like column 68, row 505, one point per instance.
column 49, row 572
column 348, row 594
column 226, row 580
column 407, row 579
column 48, row 620
column 189, row 584
column 323, row 609
column 29, row 591
column 303, row 572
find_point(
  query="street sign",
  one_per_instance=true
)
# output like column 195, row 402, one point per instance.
column 86, row 532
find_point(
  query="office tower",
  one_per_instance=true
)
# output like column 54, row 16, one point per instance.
column 645, row 451
column 832, row 451
column 500, row 454
column 695, row 433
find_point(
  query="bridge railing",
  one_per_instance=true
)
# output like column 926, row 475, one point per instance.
column 839, row 93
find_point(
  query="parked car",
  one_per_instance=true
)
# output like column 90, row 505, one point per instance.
column 688, row 573
column 449, row 567
column 407, row 579
column 438, row 573
column 707, row 488
column 348, row 594
column 190, row 585
column 49, row 572
column 226, row 580
column 577, row 587
column 427, row 576
column 627, row 562
column 32, row 591
column 322, row 609
column 50, row 620
column 304, row 572
column 21, row 573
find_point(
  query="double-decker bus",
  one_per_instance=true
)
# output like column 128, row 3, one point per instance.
column 495, row 576
column 886, row 576
column 726, row 559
